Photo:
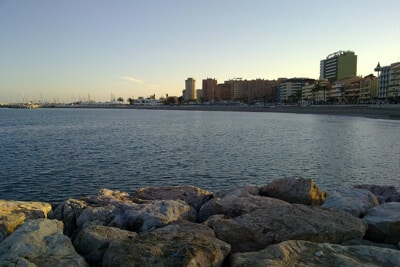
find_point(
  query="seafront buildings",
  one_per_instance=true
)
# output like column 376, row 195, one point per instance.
column 338, row 65
column 189, row 93
column 338, row 84
column 388, row 82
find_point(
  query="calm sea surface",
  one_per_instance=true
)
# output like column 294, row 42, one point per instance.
column 53, row 154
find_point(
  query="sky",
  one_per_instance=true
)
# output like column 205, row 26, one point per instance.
column 63, row 51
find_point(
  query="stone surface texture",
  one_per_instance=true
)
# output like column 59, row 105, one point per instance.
column 258, row 229
column 295, row 190
column 39, row 242
column 384, row 223
column 384, row 193
column 352, row 200
column 117, row 209
column 93, row 241
column 187, row 244
column 193, row 196
column 15, row 213
column 233, row 206
column 288, row 222
column 309, row 254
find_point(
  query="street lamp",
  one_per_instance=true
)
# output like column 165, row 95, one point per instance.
column 378, row 70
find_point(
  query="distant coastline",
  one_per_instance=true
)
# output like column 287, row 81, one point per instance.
column 389, row 112
column 384, row 111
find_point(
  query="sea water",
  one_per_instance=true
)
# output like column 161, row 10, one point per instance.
column 54, row 154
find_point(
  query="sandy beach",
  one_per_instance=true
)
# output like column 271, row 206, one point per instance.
column 389, row 112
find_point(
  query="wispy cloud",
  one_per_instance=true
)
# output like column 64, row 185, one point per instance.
column 132, row 79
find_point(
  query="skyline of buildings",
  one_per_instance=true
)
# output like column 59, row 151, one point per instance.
column 338, row 83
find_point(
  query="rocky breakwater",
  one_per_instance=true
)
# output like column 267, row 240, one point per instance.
column 288, row 222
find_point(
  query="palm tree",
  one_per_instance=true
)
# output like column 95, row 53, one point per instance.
column 120, row 100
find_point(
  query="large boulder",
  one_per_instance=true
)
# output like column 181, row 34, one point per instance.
column 305, row 253
column 295, row 190
column 352, row 200
column 192, row 195
column 385, row 193
column 241, row 191
column 186, row 244
column 117, row 209
column 260, row 228
column 384, row 223
column 39, row 242
column 233, row 206
column 15, row 213
column 94, row 240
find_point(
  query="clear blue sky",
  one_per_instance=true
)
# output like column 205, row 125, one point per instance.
column 67, row 50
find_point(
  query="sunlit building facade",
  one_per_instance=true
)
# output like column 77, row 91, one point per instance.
column 209, row 87
column 338, row 65
column 190, row 89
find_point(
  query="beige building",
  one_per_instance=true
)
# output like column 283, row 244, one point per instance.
column 291, row 89
column 394, row 81
column 190, row 89
column 346, row 90
column 368, row 89
column 315, row 92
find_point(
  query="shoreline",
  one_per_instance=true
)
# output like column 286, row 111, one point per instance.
column 386, row 112
column 383, row 111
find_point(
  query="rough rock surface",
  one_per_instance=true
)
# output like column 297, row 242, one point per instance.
column 352, row 200
column 295, row 190
column 39, row 242
column 242, row 191
column 384, row 223
column 233, row 206
column 308, row 254
column 194, row 196
column 14, row 213
column 384, row 193
column 93, row 241
column 110, row 208
column 186, row 244
column 262, row 227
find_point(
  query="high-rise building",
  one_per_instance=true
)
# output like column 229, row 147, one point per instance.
column 209, row 87
column 224, row 91
column 339, row 65
column 190, row 89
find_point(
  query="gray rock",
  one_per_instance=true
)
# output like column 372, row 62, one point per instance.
column 15, row 213
column 193, row 196
column 260, row 228
column 186, row 244
column 308, row 254
column 295, row 190
column 352, row 200
column 117, row 209
column 242, row 191
column 93, row 241
column 232, row 205
column 384, row 223
column 39, row 242
column 384, row 193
